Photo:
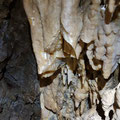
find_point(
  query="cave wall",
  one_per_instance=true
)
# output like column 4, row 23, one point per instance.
column 75, row 44
column 19, row 87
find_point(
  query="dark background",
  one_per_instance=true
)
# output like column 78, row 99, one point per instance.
column 19, row 87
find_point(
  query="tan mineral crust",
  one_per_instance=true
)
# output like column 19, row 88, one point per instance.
column 77, row 48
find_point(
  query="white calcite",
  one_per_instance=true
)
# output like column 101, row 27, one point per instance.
column 71, row 21
column 77, row 48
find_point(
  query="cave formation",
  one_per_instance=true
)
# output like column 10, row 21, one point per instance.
column 60, row 59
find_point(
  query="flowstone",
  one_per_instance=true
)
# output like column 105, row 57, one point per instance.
column 76, row 45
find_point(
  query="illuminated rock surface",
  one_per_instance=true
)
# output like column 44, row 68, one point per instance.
column 76, row 44
column 80, row 80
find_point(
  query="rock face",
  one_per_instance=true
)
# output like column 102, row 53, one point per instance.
column 19, row 87
column 76, row 45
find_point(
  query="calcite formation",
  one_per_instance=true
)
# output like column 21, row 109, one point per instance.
column 77, row 48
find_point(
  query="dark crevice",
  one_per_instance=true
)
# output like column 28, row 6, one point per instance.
column 100, row 110
column 115, row 14
column 89, row 101
column 111, row 114
column 47, row 81
column 102, row 2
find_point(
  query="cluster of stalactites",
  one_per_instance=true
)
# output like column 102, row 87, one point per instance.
column 64, row 33
column 78, row 23
column 102, row 37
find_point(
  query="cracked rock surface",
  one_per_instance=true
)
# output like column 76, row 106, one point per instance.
column 19, row 87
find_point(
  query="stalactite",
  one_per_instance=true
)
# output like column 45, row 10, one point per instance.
column 81, row 39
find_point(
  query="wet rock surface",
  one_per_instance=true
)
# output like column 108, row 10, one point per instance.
column 19, row 87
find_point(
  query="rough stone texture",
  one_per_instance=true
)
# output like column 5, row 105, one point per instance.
column 19, row 87
column 76, row 45
column 79, row 81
